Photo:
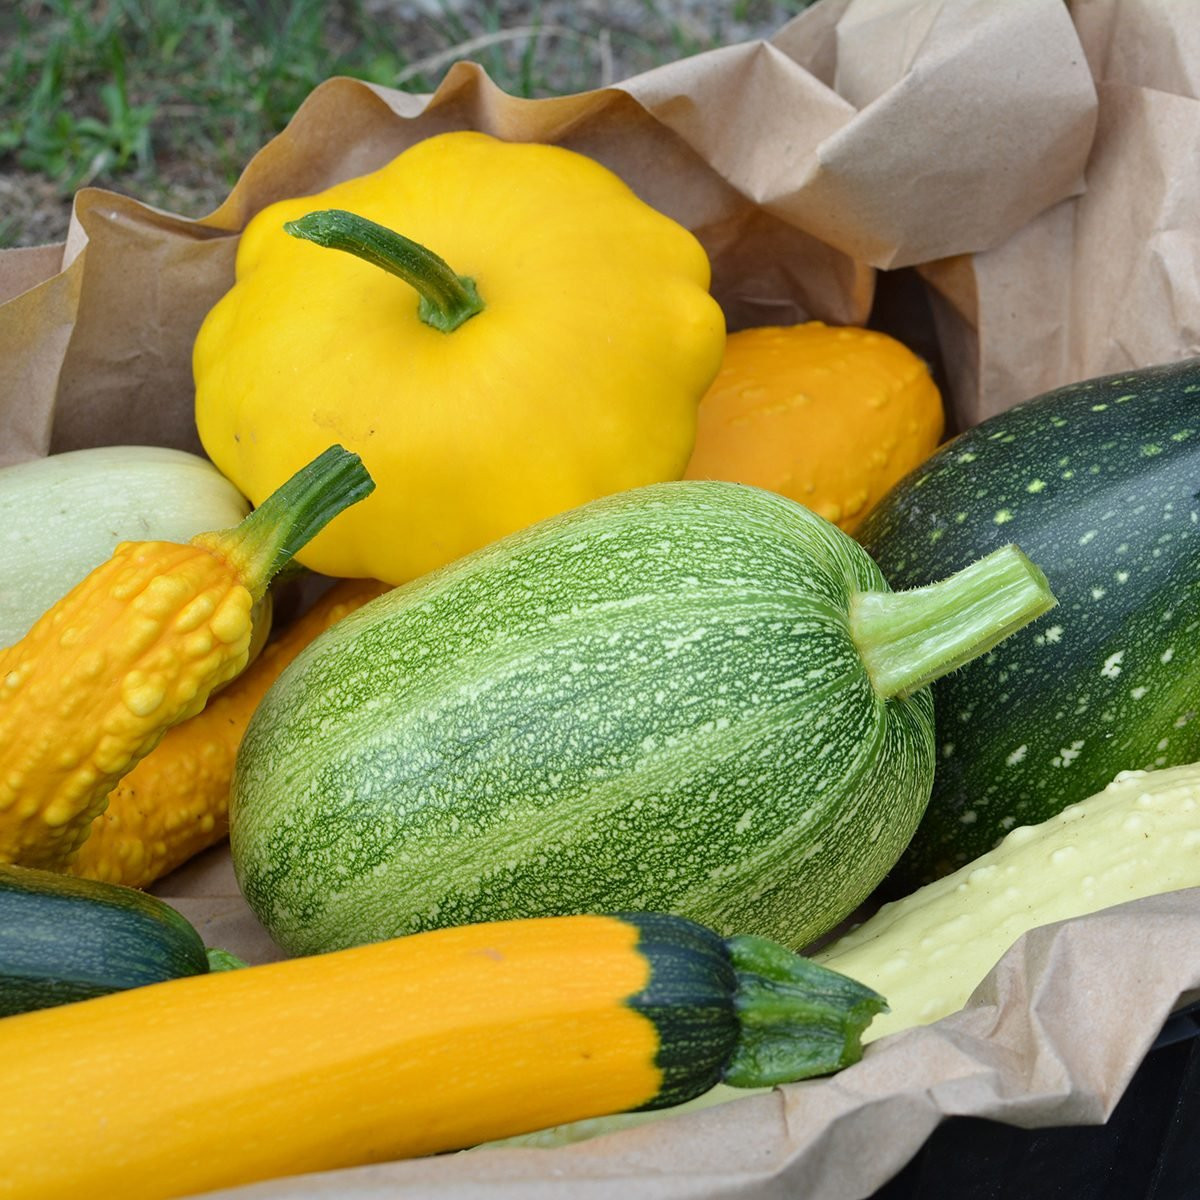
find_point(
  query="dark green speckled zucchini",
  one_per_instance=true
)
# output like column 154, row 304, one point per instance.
column 1098, row 483
column 64, row 939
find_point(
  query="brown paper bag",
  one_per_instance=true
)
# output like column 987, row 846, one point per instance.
column 1025, row 163
column 1107, row 280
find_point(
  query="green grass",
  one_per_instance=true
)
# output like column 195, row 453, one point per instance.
column 168, row 105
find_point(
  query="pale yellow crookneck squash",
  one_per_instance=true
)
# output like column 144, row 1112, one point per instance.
column 136, row 647
column 403, row 1047
column 524, row 335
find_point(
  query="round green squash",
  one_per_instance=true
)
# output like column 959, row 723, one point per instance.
column 693, row 697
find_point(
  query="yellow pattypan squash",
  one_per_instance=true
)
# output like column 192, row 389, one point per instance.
column 830, row 416
column 538, row 337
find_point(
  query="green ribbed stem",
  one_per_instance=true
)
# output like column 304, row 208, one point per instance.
column 446, row 299
column 908, row 639
column 290, row 517
column 797, row 1019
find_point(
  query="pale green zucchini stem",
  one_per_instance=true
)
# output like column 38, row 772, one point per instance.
column 292, row 515
column 908, row 639
column 797, row 1019
column 446, row 299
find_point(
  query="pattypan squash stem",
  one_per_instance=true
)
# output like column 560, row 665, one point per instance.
column 908, row 639
column 290, row 516
column 446, row 299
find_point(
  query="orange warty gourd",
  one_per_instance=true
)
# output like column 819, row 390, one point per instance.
column 829, row 416
column 175, row 802
column 136, row 647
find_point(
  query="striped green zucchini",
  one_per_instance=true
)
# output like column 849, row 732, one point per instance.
column 64, row 939
column 1098, row 483
column 694, row 697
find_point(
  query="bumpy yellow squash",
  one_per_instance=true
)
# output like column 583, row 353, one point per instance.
column 175, row 802
column 829, row 416
column 136, row 647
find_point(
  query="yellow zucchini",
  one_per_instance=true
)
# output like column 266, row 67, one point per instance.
column 406, row 1047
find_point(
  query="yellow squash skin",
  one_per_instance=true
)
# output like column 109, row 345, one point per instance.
column 829, row 416
column 134, row 648
column 175, row 802
column 580, row 377
column 387, row 1051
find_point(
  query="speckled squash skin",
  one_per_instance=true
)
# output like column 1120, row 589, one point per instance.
column 1097, row 483
column 652, row 702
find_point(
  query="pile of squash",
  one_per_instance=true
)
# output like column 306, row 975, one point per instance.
column 641, row 650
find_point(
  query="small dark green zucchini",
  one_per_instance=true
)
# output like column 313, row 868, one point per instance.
column 1098, row 483
column 64, row 939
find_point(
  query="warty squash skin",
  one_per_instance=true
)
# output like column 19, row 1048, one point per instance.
column 661, row 700
column 581, row 375
column 403, row 1048
column 830, row 416
column 175, row 802
column 136, row 647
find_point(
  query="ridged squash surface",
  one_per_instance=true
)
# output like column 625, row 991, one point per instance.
column 1097, row 482
column 650, row 703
